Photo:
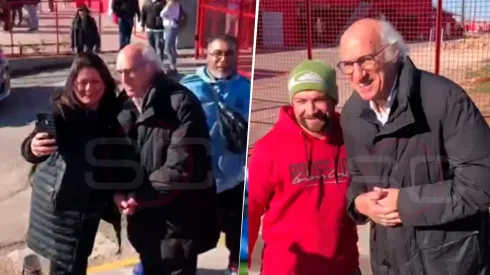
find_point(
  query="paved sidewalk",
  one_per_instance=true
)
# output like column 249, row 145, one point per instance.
column 213, row 262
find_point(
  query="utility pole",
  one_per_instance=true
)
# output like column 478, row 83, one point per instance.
column 462, row 13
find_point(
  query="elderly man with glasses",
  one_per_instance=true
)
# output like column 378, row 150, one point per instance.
column 172, row 215
column 419, row 157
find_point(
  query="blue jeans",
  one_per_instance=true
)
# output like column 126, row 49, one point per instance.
column 170, row 41
column 157, row 42
column 125, row 29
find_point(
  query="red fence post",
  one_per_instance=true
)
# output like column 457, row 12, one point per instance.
column 10, row 23
column 309, row 39
column 240, row 25
column 438, row 36
column 57, row 28
column 202, row 20
column 100, row 17
column 197, row 36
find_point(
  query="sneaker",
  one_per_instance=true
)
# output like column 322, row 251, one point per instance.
column 231, row 271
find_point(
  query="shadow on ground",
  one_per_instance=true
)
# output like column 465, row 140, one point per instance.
column 202, row 271
column 20, row 108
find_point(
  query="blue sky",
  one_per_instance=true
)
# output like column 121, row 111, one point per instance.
column 455, row 6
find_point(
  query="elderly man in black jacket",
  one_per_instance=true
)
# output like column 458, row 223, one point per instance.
column 172, row 216
column 419, row 154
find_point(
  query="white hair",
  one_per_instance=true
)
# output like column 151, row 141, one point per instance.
column 150, row 56
column 390, row 36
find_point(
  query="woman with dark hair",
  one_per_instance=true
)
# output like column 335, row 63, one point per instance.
column 71, row 189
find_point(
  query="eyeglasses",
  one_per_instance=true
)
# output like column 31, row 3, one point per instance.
column 131, row 71
column 221, row 53
column 366, row 62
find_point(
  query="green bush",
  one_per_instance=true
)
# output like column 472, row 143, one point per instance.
column 243, row 270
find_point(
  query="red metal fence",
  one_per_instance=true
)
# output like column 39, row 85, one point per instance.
column 54, row 34
column 450, row 37
column 235, row 17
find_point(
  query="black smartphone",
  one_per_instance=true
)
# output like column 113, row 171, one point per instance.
column 45, row 123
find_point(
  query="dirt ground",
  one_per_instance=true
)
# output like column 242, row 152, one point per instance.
column 6, row 267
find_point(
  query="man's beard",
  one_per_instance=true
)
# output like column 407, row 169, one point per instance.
column 223, row 72
column 320, row 126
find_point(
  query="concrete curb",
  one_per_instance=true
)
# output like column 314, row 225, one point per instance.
column 32, row 65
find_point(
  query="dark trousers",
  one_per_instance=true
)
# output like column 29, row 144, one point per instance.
column 230, row 203
column 125, row 29
column 87, row 49
column 177, row 267
column 88, row 230
column 159, row 254
column 157, row 42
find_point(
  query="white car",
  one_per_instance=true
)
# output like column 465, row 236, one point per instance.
column 4, row 76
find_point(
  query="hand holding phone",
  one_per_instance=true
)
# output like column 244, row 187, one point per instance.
column 44, row 142
column 45, row 124
column 43, row 145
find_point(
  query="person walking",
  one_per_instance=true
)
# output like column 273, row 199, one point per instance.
column 298, row 180
column 419, row 157
column 174, row 19
column 85, row 35
column 220, row 80
column 153, row 23
column 126, row 10
column 32, row 11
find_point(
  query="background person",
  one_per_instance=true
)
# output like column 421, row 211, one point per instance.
column 153, row 23
column 32, row 10
column 174, row 19
column 126, row 11
column 85, row 35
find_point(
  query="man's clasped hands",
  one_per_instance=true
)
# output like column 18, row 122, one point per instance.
column 126, row 203
column 379, row 205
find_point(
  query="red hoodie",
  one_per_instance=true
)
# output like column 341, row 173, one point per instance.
column 299, row 183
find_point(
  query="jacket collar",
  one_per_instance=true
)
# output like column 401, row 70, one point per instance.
column 401, row 114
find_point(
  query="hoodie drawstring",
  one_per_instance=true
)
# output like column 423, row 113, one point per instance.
column 308, row 155
column 336, row 164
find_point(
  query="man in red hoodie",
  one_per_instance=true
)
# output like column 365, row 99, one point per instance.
column 298, row 181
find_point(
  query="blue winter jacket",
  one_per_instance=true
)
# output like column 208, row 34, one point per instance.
column 235, row 93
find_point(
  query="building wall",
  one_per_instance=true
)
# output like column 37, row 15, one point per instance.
column 186, row 38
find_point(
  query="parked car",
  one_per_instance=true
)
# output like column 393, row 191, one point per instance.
column 4, row 76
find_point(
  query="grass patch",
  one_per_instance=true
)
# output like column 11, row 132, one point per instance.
column 243, row 269
column 480, row 87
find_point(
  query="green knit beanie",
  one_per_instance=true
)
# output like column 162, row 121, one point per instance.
column 313, row 75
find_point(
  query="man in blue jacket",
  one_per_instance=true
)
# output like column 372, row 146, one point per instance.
column 219, row 80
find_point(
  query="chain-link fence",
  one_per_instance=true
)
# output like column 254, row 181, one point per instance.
column 235, row 17
column 449, row 37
